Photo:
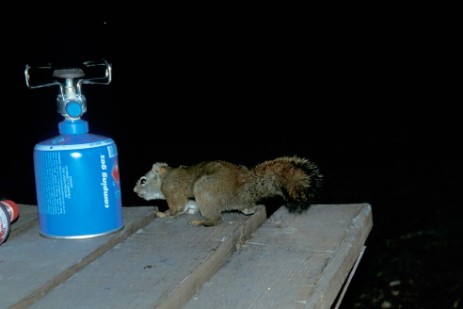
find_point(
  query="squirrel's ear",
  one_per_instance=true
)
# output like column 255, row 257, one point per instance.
column 157, row 167
column 163, row 169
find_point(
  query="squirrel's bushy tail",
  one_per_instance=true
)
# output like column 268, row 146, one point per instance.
column 295, row 178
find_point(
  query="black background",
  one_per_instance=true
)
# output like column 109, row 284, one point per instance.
column 363, row 92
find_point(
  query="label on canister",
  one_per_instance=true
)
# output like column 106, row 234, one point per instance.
column 78, row 189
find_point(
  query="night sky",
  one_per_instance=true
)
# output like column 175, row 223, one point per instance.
column 362, row 95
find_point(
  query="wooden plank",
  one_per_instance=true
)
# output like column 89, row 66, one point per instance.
column 32, row 265
column 161, row 265
column 347, row 252
column 291, row 261
column 27, row 219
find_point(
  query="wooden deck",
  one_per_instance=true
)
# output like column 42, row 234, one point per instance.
column 285, row 261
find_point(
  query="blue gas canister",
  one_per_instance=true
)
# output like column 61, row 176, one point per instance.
column 76, row 173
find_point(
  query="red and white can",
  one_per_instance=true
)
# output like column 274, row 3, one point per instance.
column 9, row 212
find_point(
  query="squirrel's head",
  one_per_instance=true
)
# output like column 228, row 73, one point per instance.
column 148, row 186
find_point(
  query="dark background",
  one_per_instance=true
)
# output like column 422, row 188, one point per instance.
column 363, row 92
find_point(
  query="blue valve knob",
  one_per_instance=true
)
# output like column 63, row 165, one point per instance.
column 74, row 109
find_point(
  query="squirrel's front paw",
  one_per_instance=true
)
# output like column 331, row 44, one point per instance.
column 168, row 213
column 196, row 223
column 161, row 214
column 249, row 211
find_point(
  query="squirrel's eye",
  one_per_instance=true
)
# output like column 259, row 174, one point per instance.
column 142, row 180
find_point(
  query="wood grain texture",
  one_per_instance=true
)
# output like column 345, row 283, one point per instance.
column 27, row 218
column 163, row 263
column 32, row 265
column 286, row 261
column 292, row 261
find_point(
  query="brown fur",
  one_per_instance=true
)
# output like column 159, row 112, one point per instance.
column 218, row 186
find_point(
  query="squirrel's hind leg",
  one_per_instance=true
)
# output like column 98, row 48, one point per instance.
column 210, row 212
column 209, row 198
column 206, row 222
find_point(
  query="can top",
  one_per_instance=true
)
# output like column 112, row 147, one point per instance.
column 12, row 208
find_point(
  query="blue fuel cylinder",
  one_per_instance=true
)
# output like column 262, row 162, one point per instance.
column 77, row 183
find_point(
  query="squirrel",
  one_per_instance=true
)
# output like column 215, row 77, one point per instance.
column 213, row 187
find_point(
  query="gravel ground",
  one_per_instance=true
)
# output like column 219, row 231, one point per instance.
column 413, row 255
